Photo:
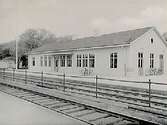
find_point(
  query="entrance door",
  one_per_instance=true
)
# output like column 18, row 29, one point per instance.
column 161, row 63
column 56, row 63
column 140, row 64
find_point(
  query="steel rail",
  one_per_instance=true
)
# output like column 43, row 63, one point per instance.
column 86, row 107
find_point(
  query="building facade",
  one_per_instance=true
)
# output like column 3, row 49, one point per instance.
column 138, row 52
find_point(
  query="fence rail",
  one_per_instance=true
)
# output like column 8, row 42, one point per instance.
column 95, row 89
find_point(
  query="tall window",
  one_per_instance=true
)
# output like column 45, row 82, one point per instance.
column 140, row 60
column 33, row 61
column 62, row 61
column 91, row 60
column 79, row 60
column 45, row 60
column 85, row 60
column 41, row 60
column 113, row 60
column 151, row 60
column 49, row 58
column 69, row 60
column 56, row 59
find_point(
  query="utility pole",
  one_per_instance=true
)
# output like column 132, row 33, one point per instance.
column 16, row 53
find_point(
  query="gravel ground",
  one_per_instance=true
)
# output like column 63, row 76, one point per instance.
column 14, row 111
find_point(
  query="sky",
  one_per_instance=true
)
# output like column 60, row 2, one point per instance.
column 80, row 18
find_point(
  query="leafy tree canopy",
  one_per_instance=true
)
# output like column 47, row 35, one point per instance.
column 28, row 40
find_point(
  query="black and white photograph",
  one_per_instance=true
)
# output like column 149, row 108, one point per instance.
column 83, row 62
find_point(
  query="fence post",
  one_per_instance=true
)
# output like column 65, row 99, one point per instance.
column 25, row 76
column 42, row 78
column 64, row 82
column 13, row 74
column 149, row 92
column 96, row 85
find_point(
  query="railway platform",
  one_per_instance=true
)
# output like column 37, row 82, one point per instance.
column 96, row 103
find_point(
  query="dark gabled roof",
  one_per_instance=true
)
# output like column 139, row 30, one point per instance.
column 113, row 39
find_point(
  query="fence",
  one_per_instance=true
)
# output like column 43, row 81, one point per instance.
column 92, row 86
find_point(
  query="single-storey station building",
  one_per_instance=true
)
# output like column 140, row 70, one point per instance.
column 138, row 52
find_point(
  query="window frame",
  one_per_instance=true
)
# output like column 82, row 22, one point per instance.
column 33, row 61
column 161, row 61
column 151, row 60
column 41, row 61
column 56, row 61
column 49, row 61
column 45, row 61
column 79, row 60
column 114, row 60
column 62, row 60
column 69, row 60
column 92, row 60
column 140, row 59
column 85, row 60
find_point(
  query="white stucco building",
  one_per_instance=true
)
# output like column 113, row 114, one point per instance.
column 138, row 52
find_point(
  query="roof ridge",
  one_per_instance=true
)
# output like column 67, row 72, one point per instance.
column 113, row 33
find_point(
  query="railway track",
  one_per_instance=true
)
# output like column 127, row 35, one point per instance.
column 81, row 112
column 128, row 96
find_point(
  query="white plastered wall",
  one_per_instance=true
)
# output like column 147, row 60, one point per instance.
column 143, row 44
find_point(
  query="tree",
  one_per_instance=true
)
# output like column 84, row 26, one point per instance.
column 31, row 39
column 6, row 52
column 28, row 40
column 34, row 38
